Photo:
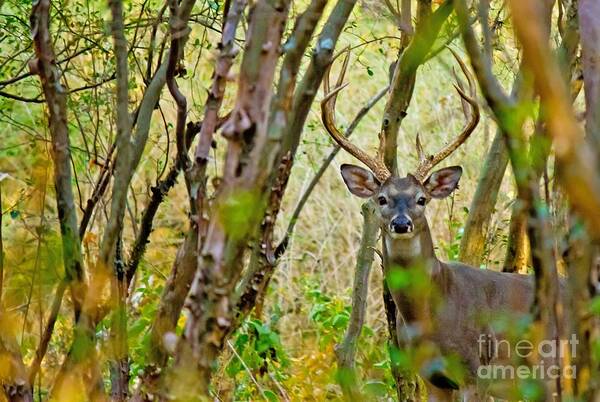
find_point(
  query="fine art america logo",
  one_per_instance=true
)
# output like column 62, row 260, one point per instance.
column 547, row 354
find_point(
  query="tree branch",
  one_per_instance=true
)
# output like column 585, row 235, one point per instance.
column 44, row 66
column 346, row 351
column 572, row 153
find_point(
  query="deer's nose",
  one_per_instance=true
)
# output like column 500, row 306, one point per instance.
column 401, row 224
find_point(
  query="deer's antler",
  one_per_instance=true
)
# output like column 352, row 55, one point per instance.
column 426, row 163
column 376, row 163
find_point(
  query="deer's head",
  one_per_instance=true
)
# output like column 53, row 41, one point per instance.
column 401, row 201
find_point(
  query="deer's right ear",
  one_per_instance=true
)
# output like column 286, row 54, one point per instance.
column 360, row 181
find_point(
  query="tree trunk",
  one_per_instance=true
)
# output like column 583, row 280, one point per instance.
column 248, row 164
column 169, row 310
column 472, row 245
column 346, row 351
column 401, row 91
column 517, row 249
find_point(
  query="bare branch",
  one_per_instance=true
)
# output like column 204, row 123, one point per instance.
column 123, row 138
column 428, row 27
column 44, row 66
column 211, row 109
column 490, row 87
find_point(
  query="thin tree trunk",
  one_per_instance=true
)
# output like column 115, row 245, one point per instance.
column 44, row 66
column 264, row 256
column 122, row 174
column 248, row 164
column 262, row 267
column 165, row 321
column 589, row 22
column 119, row 361
column 573, row 154
column 346, row 351
column 583, row 254
column 517, row 249
column 533, row 33
column 472, row 245
column 581, row 258
column 83, row 345
column 401, row 89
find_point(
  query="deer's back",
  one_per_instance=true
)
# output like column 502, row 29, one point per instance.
column 471, row 300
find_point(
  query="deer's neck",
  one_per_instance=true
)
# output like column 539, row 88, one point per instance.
column 412, row 252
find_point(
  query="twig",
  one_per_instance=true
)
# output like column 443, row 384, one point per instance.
column 21, row 98
column 261, row 390
column 281, row 390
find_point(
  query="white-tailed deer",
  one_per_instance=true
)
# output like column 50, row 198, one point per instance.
column 451, row 314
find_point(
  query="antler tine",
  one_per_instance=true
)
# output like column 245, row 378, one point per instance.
column 427, row 163
column 328, row 116
column 465, row 105
column 420, row 152
column 341, row 76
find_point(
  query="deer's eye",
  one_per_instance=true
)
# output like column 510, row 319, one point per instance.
column 421, row 201
column 381, row 200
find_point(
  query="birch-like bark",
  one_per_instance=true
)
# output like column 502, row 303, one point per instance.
column 184, row 266
column 245, row 170
column 264, row 259
column 197, row 174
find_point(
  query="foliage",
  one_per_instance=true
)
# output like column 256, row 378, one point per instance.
column 291, row 353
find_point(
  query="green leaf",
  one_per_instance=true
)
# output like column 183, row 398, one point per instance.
column 595, row 305
column 376, row 388
column 340, row 321
column 270, row 395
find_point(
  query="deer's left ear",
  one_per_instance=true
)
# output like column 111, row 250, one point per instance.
column 441, row 183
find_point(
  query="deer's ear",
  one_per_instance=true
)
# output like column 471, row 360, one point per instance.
column 441, row 183
column 360, row 181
